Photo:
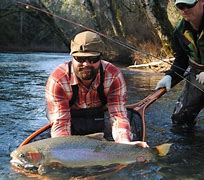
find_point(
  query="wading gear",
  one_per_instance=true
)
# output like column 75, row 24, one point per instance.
column 189, row 54
column 190, row 102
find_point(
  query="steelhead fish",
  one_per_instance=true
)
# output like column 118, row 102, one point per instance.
column 76, row 152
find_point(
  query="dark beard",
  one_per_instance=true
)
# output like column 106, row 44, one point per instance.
column 87, row 73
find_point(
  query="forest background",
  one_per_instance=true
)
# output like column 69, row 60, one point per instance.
column 145, row 25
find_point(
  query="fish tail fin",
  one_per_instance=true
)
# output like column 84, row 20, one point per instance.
column 163, row 149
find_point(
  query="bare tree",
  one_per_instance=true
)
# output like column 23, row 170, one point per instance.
column 156, row 11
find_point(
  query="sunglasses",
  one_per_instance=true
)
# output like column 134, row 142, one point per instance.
column 182, row 6
column 90, row 59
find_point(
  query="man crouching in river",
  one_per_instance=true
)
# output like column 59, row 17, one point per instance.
column 77, row 92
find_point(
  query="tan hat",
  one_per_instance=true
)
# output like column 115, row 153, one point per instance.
column 185, row 1
column 86, row 43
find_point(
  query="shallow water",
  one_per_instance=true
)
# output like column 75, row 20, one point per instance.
column 22, row 111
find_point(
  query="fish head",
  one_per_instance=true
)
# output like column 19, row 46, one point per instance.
column 28, row 159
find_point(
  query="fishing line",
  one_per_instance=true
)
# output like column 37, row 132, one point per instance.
column 128, row 46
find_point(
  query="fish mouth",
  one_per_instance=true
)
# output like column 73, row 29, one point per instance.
column 20, row 164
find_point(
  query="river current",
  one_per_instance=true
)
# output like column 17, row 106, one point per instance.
column 22, row 111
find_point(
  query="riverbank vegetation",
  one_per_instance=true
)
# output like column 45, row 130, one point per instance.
column 144, row 28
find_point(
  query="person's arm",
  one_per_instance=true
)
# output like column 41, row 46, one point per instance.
column 58, row 111
column 175, row 73
column 116, row 100
column 180, row 63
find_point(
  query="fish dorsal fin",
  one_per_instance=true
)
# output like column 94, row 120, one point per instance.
column 98, row 136
column 163, row 149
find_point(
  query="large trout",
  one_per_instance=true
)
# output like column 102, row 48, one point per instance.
column 76, row 152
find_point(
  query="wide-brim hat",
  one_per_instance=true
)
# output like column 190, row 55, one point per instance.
column 86, row 43
column 185, row 1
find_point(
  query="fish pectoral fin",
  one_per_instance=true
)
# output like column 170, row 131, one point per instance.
column 163, row 149
column 98, row 136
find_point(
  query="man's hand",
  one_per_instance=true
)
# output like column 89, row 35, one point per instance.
column 138, row 143
column 200, row 77
column 165, row 82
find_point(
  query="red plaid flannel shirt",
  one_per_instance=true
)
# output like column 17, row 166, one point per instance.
column 59, row 93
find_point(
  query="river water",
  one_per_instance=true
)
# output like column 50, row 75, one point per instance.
column 22, row 111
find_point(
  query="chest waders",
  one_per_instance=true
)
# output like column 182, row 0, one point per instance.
column 191, row 101
column 90, row 120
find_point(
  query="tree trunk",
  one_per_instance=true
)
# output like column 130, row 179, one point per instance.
column 157, row 14
column 47, row 19
column 111, row 15
column 89, row 6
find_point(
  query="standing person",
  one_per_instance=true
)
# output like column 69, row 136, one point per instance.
column 189, row 53
column 77, row 91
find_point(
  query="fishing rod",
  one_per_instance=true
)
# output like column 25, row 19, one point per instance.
column 128, row 46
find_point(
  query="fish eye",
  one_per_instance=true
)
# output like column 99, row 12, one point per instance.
column 21, row 155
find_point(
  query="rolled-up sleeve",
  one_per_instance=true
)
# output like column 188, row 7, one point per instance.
column 58, row 110
column 117, row 97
